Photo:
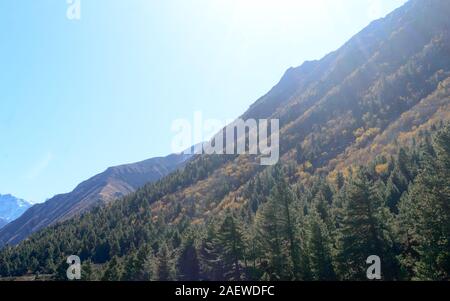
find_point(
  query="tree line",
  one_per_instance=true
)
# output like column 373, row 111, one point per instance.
column 397, row 208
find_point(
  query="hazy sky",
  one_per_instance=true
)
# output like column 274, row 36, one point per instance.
column 77, row 96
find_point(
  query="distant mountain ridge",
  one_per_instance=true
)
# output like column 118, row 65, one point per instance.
column 11, row 208
column 101, row 189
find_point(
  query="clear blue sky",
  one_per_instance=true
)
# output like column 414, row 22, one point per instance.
column 79, row 96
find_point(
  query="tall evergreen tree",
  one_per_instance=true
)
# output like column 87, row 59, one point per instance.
column 427, row 212
column 364, row 231
column 188, row 265
column 278, row 225
column 396, row 185
column 253, row 254
column 210, row 264
column 113, row 270
column 231, row 243
column 131, row 269
column 319, row 248
column 87, row 273
column 269, row 233
column 164, row 268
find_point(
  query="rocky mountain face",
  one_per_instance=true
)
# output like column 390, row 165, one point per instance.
column 11, row 208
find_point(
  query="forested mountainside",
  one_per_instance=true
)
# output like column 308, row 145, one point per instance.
column 318, row 214
column 101, row 189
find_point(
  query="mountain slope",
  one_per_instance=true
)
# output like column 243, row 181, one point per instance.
column 387, row 88
column 343, row 102
column 11, row 208
column 103, row 188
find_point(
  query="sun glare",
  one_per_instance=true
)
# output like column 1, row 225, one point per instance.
column 277, row 13
column 275, row 6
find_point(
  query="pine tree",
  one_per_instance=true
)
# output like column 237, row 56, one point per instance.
column 277, row 225
column 211, row 266
column 231, row 243
column 427, row 212
column 4, row 268
column 131, row 268
column 319, row 247
column 149, row 268
column 113, row 270
column 49, row 266
column 275, row 266
column 164, row 269
column 340, row 180
column 404, row 163
column 188, row 265
column 396, row 185
column 87, row 273
column 406, row 236
column 253, row 254
column 363, row 231
column 321, row 206
column 143, row 255
column 61, row 271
